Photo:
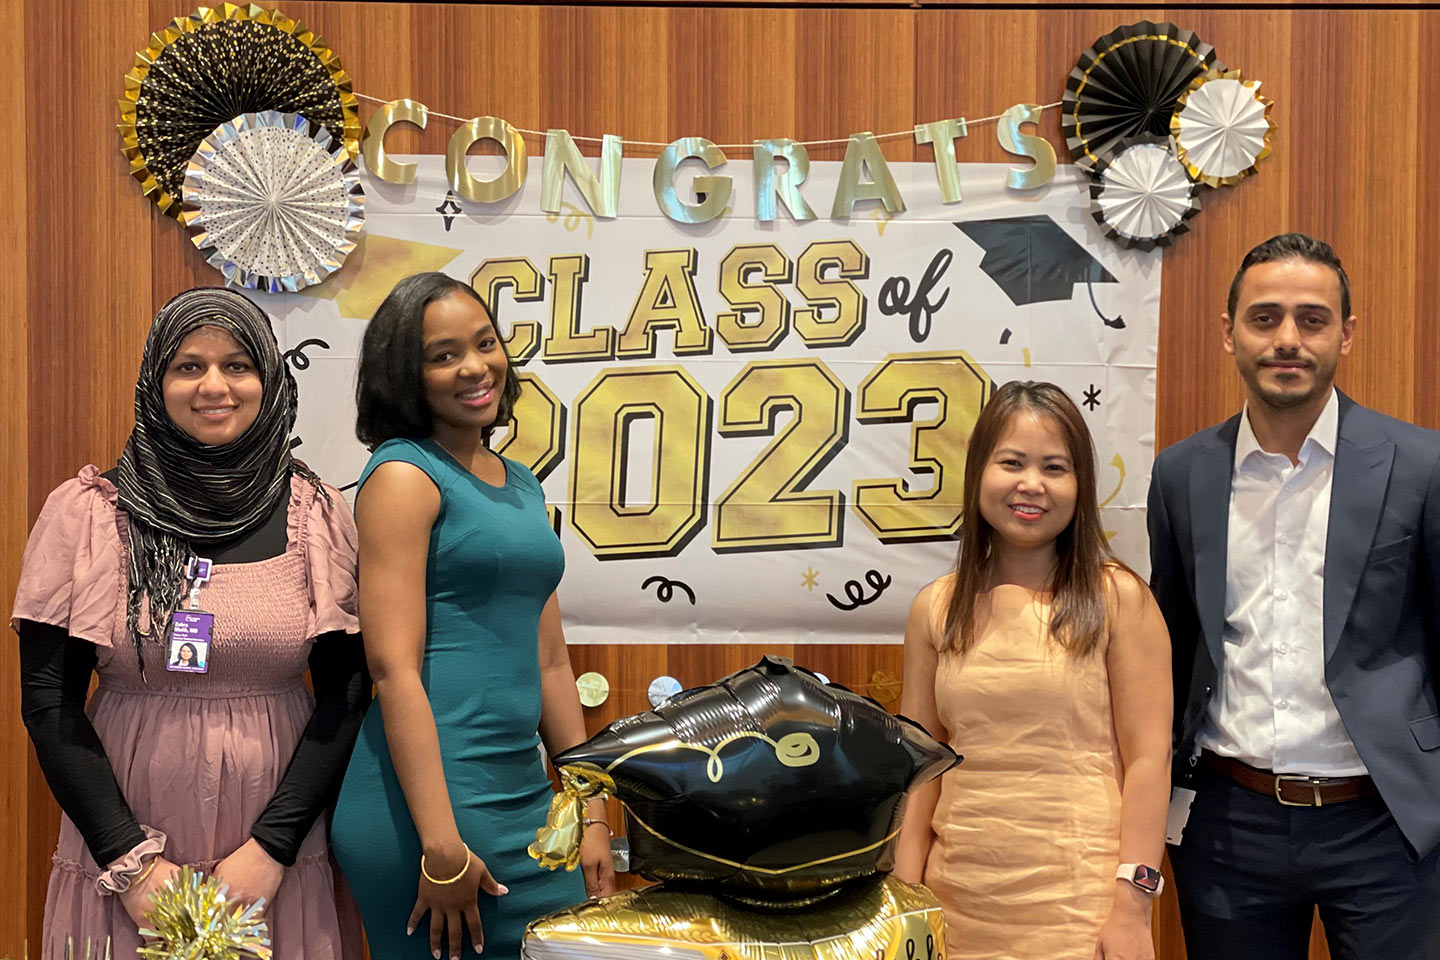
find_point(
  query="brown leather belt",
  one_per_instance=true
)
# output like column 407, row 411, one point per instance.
column 1293, row 790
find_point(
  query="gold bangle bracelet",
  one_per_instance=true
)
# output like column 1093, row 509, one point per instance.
column 441, row 883
column 590, row 822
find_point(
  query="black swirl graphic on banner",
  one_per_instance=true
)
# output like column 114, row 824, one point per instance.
column 297, row 358
column 855, row 593
column 665, row 592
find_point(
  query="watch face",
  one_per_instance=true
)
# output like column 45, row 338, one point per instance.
column 1146, row 878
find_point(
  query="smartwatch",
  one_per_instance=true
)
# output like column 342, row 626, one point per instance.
column 1143, row 878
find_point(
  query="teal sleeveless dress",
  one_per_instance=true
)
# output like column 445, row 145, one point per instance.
column 493, row 563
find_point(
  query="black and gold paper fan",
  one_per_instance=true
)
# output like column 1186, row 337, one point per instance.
column 1127, row 84
column 214, row 65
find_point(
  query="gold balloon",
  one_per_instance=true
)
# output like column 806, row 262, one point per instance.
column 373, row 149
column 557, row 843
column 861, row 153
column 942, row 135
column 716, row 189
column 601, row 193
column 516, row 166
column 880, row 918
column 769, row 185
column 1024, row 145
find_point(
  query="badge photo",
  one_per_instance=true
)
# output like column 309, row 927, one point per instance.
column 188, row 656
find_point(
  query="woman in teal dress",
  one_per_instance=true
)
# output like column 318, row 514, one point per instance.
column 458, row 571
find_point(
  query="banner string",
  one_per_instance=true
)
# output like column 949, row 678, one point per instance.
column 540, row 134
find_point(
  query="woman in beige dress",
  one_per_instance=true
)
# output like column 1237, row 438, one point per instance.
column 1051, row 669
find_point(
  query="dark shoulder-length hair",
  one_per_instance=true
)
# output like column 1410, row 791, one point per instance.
column 1078, row 584
column 389, row 389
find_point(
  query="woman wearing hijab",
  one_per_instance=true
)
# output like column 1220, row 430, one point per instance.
column 207, row 530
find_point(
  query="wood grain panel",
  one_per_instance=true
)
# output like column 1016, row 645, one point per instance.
column 15, row 426
column 983, row 4
column 90, row 261
column 852, row 74
column 86, row 269
column 1427, row 252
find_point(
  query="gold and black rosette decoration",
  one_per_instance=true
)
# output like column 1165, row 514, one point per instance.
column 1222, row 127
column 1128, row 83
column 1153, row 114
column 214, row 65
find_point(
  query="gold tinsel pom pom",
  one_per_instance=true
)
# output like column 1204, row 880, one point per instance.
column 192, row 920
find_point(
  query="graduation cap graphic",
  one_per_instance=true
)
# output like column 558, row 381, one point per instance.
column 768, row 783
column 1032, row 259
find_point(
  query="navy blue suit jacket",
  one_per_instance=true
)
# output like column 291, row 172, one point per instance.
column 1382, row 596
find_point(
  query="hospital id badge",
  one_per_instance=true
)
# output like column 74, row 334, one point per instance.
column 188, row 645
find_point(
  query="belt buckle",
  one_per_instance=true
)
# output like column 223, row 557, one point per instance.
column 1298, row 778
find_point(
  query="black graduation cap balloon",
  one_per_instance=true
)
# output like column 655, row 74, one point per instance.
column 1032, row 259
column 769, row 784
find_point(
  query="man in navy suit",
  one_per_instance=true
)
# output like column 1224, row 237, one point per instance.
column 1295, row 552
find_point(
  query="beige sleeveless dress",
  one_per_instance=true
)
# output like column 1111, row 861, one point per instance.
column 1028, row 827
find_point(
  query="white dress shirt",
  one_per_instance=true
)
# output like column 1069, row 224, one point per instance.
column 1271, row 708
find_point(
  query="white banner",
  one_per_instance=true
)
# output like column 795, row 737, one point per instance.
column 755, row 432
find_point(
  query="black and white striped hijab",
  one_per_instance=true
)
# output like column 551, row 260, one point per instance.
column 178, row 491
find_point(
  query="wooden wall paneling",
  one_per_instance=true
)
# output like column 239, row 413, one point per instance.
column 969, row 64
column 696, row 664
column 1426, row 265
column 87, row 307
column 88, row 229
column 606, row 70
column 17, row 904
column 1366, row 158
column 982, row 4
column 739, row 73
column 853, row 74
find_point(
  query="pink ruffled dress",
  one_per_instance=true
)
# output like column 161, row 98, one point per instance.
column 197, row 756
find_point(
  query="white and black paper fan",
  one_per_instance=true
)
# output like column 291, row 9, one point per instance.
column 1144, row 196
